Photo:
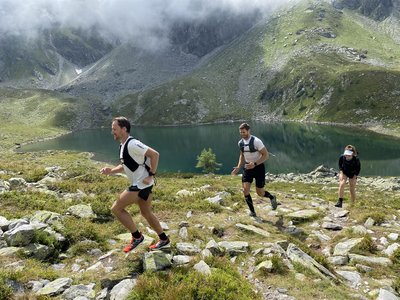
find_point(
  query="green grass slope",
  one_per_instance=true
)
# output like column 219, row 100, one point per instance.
column 27, row 115
column 229, row 279
column 309, row 62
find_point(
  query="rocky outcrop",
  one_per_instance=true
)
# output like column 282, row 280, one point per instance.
column 320, row 221
column 378, row 10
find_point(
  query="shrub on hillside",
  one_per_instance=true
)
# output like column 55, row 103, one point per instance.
column 207, row 160
column 366, row 246
column 185, row 283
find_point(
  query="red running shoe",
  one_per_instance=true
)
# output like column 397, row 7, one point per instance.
column 133, row 244
column 160, row 245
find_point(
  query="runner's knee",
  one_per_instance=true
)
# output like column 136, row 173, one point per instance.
column 115, row 208
column 146, row 213
column 246, row 191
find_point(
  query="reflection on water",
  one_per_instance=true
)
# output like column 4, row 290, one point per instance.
column 297, row 148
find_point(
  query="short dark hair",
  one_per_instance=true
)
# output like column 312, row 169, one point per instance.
column 123, row 122
column 244, row 126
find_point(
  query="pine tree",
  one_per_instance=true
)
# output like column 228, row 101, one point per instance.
column 208, row 161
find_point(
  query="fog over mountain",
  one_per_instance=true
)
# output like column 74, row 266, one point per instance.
column 148, row 22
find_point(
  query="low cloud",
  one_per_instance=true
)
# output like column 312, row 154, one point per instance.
column 141, row 21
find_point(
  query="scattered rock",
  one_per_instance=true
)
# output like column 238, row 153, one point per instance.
column 331, row 226
column 82, row 211
column 344, row 248
column 202, row 268
column 253, row 229
column 156, row 261
column 55, row 287
column 122, row 290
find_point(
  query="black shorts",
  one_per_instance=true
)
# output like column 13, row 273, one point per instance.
column 143, row 194
column 257, row 173
column 349, row 175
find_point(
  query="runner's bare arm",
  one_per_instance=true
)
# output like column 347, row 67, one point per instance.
column 108, row 170
column 239, row 165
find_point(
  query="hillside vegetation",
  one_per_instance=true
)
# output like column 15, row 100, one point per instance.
column 30, row 115
column 310, row 62
column 46, row 187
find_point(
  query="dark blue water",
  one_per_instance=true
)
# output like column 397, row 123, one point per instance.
column 298, row 148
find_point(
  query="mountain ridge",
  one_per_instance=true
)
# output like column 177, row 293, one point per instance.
column 304, row 63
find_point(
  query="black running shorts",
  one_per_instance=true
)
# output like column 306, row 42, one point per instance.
column 257, row 173
column 143, row 194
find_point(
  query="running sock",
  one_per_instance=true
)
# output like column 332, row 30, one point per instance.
column 249, row 202
column 341, row 199
column 163, row 236
column 268, row 195
column 136, row 234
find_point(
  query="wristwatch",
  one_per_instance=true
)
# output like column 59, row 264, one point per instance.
column 151, row 173
column 255, row 163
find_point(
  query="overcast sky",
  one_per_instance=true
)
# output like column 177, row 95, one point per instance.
column 122, row 19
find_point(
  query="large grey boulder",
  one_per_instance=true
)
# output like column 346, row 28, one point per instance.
column 4, row 223
column 4, row 186
column 122, row 290
column 214, row 248
column 341, row 214
column 35, row 285
column 48, row 217
column 345, row 247
column 391, row 249
column 353, row 279
column 338, row 260
column 17, row 183
column 253, row 229
column 9, row 251
column 202, row 268
column 235, row 247
column 331, row 226
column 17, row 288
column 216, row 200
column 79, row 291
column 14, row 223
column 295, row 254
column 323, row 171
column 81, row 211
column 183, row 233
column 393, row 236
column 156, row 261
column 187, row 248
column 304, row 214
column 369, row 222
column 38, row 251
column 20, row 236
column 360, row 230
column 383, row 261
column 180, row 260
column 265, row 266
column 55, row 287
column 386, row 295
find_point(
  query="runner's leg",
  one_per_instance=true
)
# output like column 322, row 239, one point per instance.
column 147, row 213
column 118, row 209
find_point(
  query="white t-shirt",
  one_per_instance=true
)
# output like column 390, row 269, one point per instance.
column 252, row 156
column 137, row 150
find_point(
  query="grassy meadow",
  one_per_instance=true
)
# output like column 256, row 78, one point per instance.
column 218, row 222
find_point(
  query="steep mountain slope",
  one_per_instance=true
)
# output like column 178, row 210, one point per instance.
column 376, row 9
column 309, row 62
column 130, row 67
column 29, row 115
column 50, row 59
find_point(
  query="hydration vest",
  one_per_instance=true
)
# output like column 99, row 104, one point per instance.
column 250, row 144
column 128, row 161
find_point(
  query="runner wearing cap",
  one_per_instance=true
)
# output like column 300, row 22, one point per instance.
column 349, row 166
